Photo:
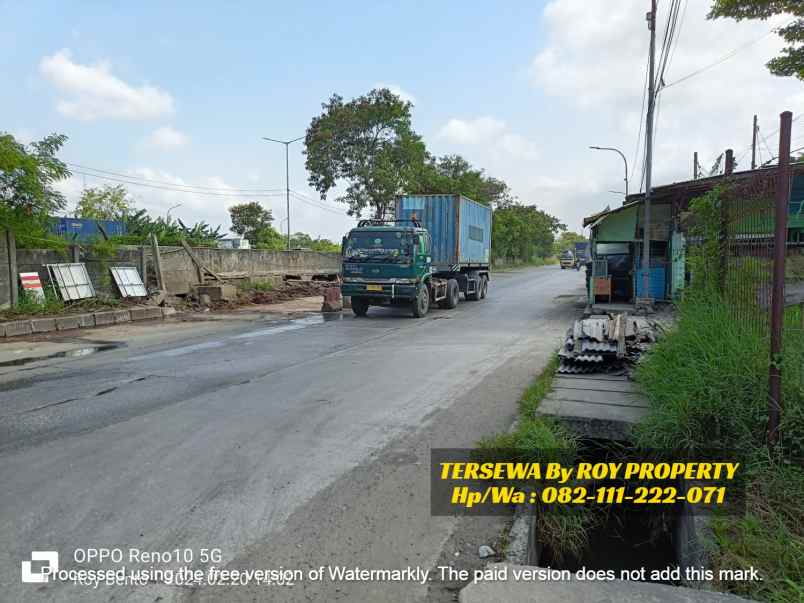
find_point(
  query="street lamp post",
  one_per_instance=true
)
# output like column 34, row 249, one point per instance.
column 171, row 209
column 625, row 161
column 287, row 143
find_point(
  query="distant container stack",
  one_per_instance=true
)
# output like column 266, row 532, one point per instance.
column 82, row 229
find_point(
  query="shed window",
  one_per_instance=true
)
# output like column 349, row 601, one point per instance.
column 476, row 234
column 611, row 248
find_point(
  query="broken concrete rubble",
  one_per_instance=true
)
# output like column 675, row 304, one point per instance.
column 219, row 292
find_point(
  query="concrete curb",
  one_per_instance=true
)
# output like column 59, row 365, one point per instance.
column 68, row 322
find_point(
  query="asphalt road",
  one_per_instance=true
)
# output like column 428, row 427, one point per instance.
column 291, row 443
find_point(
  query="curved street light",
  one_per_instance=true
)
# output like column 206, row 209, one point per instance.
column 625, row 161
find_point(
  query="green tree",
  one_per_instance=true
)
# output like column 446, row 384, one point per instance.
column 566, row 241
column 252, row 221
column 28, row 173
column 791, row 60
column 523, row 232
column 169, row 231
column 268, row 238
column 107, row 203
column 303, row 240
column 370, row 144
column 454, row 174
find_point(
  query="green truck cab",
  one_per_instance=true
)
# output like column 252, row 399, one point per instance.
column 423, row 257
column 387, row 264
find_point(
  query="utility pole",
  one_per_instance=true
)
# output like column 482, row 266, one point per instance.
column 287, row 143
column 777, row 294
column 625, row 161
column 695, row 165
column 651, row 18
column 754, row 145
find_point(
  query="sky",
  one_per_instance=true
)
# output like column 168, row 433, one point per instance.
column 178, row 95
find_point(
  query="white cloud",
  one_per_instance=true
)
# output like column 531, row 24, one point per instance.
column 594, row 61
column 489, row 131
column 472, row 131
column 167, row 137
column 519, row 146
column 92, row 92
column 399, row 91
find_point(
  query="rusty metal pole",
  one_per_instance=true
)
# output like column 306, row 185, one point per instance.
column 695, row 165
column 723, row 235
column 775, row 401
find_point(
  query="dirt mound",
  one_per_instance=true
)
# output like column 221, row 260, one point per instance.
column 287, row 291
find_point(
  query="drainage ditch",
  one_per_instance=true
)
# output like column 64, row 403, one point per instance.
column 623, row 539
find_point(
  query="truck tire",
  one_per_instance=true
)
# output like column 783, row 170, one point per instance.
column 453, row 295
column 359, row 306
column 476, row 295
column 421, row 303
column 484, row 286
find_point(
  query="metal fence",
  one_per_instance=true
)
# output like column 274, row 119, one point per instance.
column 742, row 250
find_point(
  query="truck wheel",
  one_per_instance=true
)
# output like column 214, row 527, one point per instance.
column 484, row 286
column 453, row 294
column 421, row 304
column 359, row 306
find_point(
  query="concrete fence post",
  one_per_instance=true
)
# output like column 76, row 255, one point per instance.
column 143, row 266
column 11, row 248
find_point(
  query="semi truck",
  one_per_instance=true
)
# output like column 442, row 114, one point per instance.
column 436, row 248
column 582, row 254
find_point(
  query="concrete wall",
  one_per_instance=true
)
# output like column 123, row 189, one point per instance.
column 179, row 271
column 34, row 260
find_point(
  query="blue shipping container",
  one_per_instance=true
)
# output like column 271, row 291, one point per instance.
column 460, row 228
column 82, row 229
column 582, row 250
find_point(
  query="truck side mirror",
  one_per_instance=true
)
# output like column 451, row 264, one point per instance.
column 343, row 244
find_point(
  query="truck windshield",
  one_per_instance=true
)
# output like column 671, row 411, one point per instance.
column 378, row 245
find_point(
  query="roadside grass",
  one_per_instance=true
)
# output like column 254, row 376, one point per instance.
column 707, row 382
column 769, row 536
column 563, row 528
column 260, row 286
column 30, row 306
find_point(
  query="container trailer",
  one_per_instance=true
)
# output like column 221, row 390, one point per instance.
column 435, row 249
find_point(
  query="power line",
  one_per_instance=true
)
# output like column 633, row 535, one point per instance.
column 667, row 43
column 641, row 122
column 305, row 199
column 173, row 184
column 721, row 60
column 678, row 34
column 177, row 189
